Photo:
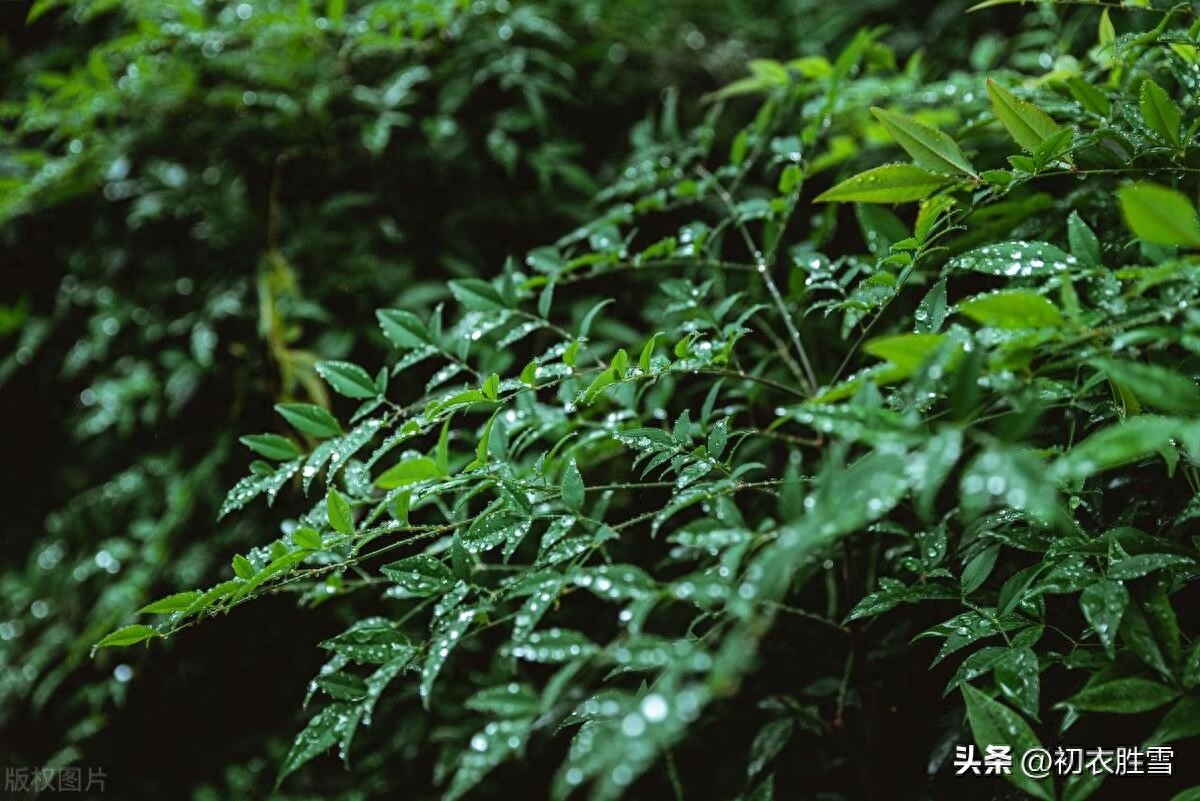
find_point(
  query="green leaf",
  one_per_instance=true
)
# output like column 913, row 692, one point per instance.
column 1013, row 260
column 506, row 701
column 405, row 329
column 1018, row 675
column 271, row 446
column 492, row 528
column 1013, row 308
column 1182, row 721
column 1159, row 112
column 1159, row 215
column 929, row 147
column 129, row 635
column 371, row 640
column 316, row 421
column 891, row 183
column 342, row 686
column 1128, row 695
column 976, row 571
column 242, row 567
column 1106, row 34
column 1118, row 444
column 1027, row 124
column 337, row 509
column 931, row 311
column 993, row 723
column 554, row 646
column 419, row 576
column 1091, row 98
column 1154, row 386
column 347, row 379
column 529, row 374
column 172, row 603
column 1010, row 477
column 1103, row 604
column 717, row 438
column 491, row 387
column 477, row 295
column 1144, row 564
column 307, row 538
column 485, row 440
column 322, row 732
column 572, row 487
column 408, row 472
column 906, row 351
column 1084, row 244
column 491, row 746
column 648, row 353
column 448, row 634
column 1081, row 786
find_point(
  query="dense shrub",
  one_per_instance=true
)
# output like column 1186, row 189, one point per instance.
column 190, row 196
column 685, row 501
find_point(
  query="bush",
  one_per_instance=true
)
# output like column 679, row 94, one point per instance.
column 683, row 502
column 189, row 198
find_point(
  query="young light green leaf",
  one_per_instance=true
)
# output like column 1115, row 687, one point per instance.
column 408, row 472
column 905, row 351
column 242, row 567
column 529, row 374
column 1014, row 308
column 1106, row 34
column 648, row 353
column 929, row 147
column 1159, row 112
column 337, row 510
column 129, row 635
column 308, row 538
column 891, row 183
column 172, row 603
column 491, row 387
column 1160, row 215
column 1027, row 124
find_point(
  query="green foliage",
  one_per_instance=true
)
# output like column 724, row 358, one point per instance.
column 963, row 430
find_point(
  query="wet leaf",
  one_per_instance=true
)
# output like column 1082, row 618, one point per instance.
column 891, row 183
column 928, row 146
column 1160, row 215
